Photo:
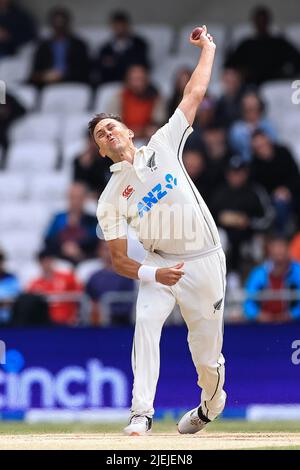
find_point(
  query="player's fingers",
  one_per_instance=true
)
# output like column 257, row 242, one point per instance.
column 179, row 265
column 177, row 271
column 204, row 29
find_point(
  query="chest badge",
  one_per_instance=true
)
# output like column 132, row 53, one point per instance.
column 128, row 192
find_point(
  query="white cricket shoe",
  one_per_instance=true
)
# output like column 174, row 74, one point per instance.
column 138, row 426
column 192, row 422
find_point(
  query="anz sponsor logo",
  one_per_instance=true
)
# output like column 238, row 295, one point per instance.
column 158, row 192
column 72, row 386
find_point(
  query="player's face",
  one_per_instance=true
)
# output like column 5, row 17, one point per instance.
column 112, row 137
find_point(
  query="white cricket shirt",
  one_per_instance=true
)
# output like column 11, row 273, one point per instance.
column 157, row 198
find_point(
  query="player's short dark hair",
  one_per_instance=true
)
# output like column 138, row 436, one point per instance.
column 98, row 118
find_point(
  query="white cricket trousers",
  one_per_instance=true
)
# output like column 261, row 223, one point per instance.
column 200, row 295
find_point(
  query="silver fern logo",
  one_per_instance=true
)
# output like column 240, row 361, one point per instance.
column 151, row 163
column 217, row 305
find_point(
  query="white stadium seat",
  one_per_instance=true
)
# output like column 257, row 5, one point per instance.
column 94, row 36
column 14, row 69
column 27, row 95
column 32, row 157
column 71, row 150
column 164, row 75
column 20, row 245
column 280, row 107
column 65, row 98
column 86, row 269
column 75, row 126
column 159, row 38
column 292, row 33
column 37, row 127
column 25, row 272
column 30, row 216
column 104, row 95
column 49, row 187
column 13, row 187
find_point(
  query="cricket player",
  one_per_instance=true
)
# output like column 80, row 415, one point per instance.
column 151, row 191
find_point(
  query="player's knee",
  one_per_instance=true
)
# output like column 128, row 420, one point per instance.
column 146, row 320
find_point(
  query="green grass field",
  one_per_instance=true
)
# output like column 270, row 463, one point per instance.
column 227, row 426
column 222, row 434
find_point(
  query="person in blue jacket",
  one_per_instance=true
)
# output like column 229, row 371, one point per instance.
column 277, row 273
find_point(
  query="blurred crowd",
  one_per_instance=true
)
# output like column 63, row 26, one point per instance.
column 248, row 176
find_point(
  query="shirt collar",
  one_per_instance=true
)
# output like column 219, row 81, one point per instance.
column 138, row 161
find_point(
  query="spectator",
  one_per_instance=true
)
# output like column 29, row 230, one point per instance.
column 264, row 56
column 9, row 112
column 72, row 234
column 274, row 168
column 252, row 119
column 90, row 169
column 17, row 27
column 138, row 103
column 196, row 165
column 241, row 209
column 105, row 281
column 228, row 106
column 218, row 154
column 123, row 50
column 63, row 57
column 182, row 77
column 54, row 282
column 277, row 273
column 205, row 118
column 9, row 289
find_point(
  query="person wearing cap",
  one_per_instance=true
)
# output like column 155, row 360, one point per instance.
column 240, row 208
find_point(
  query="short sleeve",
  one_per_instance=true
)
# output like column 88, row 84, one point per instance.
column 175, row 133
column 112, row 223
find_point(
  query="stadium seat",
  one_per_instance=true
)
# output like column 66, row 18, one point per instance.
column 104, row 95
column 14, row 69
column 31, row 216
column 37, row 127
column 50, row 187
column 278, row 98
column 26, row 272
column 292, row 33
column 32, row 157
column 70, row 150
column 94, row 36
column 13, row 187
column 27, row 95
column 85, row 269
column 159, row 37
column 75, row 126
column 20, row 245
column 164, row 75
column 65, row 98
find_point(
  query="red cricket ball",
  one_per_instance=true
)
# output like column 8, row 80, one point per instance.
column 196, row 33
